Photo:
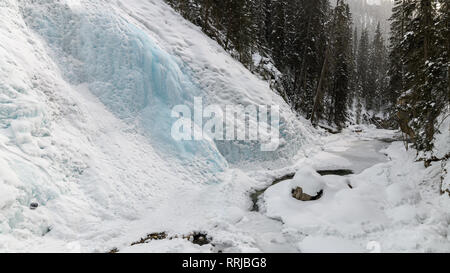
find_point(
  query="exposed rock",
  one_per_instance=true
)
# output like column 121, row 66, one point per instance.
column 310, row 183
column 114, row 250
column 34, row 206
column 150, row 237
column 200, row 239
column 298, row 194
column 197, row 238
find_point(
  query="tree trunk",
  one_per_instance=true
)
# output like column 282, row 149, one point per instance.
column 319, row 92
column 302, row 67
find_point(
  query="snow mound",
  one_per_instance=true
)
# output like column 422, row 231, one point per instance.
column 309, row 180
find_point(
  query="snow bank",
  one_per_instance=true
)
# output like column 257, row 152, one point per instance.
column 442, row 139
column 324, row 244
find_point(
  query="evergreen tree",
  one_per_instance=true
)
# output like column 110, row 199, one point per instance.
column 363, row 68
column 443, row 45
column 425, row 66
column 355, row 86
column 311, row 37
column 278, row 35
column 377, row 71
column 341, row 73
column 396, row 54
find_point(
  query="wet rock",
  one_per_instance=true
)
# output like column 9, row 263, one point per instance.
column 298, row 194
column 114, row 250
column 151, row 237
column 307, row 184
column 200, row 239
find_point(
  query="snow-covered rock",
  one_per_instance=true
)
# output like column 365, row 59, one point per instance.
column 308, row 180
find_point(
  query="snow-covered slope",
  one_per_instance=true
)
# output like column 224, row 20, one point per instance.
column 86, row 89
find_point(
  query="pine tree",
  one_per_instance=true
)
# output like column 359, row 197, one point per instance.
column 378, row 70
column 309, row 43
column 363, row 68
column 318, row 107
column 443, row 45
column 396, row 54
column 341, row 74
column 278, row 34
column 355, row 87
column 425, row 69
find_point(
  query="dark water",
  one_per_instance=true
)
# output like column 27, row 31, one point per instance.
column 340, row 172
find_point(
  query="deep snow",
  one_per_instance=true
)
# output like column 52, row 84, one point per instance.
column 86, row 89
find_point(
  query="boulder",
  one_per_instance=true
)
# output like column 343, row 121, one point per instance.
column 307, row 184
column 34, row 206
column 298, row 194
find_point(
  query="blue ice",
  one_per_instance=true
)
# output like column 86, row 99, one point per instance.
column 129, row 73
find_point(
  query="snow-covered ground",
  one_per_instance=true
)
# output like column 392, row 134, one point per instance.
column 394, row 204
column 390, row 204
column 86, row 89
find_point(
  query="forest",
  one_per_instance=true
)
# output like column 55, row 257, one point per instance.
column 334, row 70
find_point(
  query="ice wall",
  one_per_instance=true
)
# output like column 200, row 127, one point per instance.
column 118, row 56
column 126, row 70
